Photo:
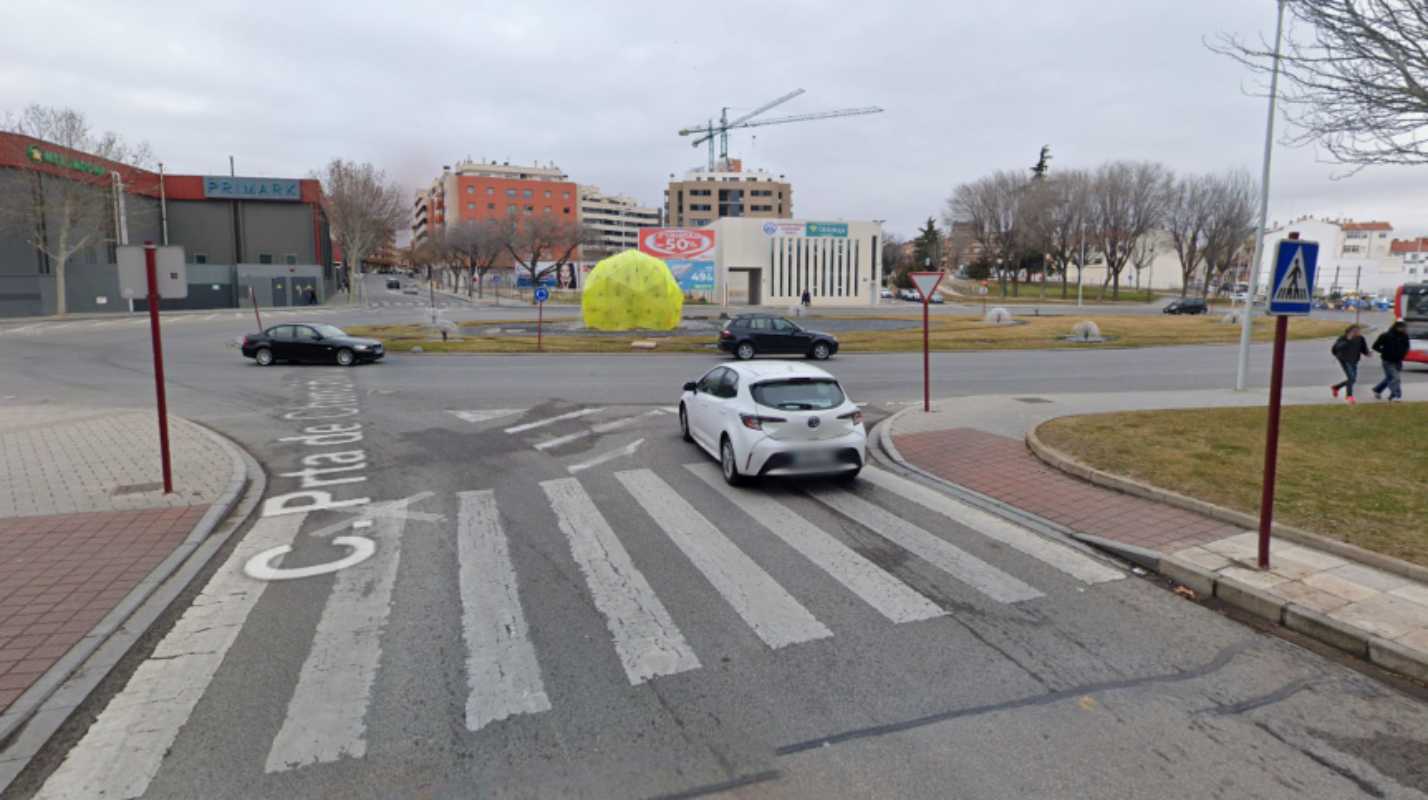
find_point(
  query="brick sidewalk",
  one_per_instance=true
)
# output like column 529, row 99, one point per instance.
column 83, row 521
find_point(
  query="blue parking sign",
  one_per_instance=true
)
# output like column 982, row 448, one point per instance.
column 1291, row 292
column 542, row 294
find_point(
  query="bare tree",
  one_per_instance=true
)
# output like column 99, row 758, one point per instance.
column 992, row 206
column 543, row 244
column 1230, row 228
column 62, row 216
column 364, row 208
column 1057, row 221
column 476, row 245
column 1144, row 255
column 1128, row 203
column 1187, row 216
column 1356, row 81
column 893, row 258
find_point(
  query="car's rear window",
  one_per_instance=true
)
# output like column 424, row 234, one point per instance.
column 799, row 394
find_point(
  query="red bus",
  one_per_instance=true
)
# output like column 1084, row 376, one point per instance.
column 1410, row 305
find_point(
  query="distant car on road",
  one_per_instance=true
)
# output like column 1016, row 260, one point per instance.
column 310, row 343
column 935, row 299
column 1186, row 306
column 774, row 418
column 748, row 335
column 885, row 293
column 910, row 294
column 393, row 283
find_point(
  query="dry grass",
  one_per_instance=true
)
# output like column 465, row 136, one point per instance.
column 1351, row 473
column 948, row 334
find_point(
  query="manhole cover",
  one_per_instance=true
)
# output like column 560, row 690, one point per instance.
column 1031, row 400
column 137, row 488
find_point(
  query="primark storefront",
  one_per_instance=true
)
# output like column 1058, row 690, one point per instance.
column 238, row 233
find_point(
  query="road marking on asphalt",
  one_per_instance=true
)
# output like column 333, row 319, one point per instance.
column 502, row 674
column 1078, row 565
column 22, row 328
column 619, row 452
column 124, row 748
column 261, row 566
column 326, row 717
column 604, row 427
column 552, row 420
column 485, row 414
column 891, row 597
column 953, row 560
column 771, row 611
column 645, row 637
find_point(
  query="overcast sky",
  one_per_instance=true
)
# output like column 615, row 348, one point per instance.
column 601, row 89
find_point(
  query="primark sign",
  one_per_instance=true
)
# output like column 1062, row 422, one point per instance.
column 227, row 188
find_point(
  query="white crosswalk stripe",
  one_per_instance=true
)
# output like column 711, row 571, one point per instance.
column 603, row 427
column 501, row 669
column 774, row 615
column 485, row 414
column 953, row 560
column 541, row 423
column 646, row 639
column 891, row 597
column 619, row 452
column 1076, row 564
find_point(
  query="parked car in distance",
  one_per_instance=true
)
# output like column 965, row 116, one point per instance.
column 748, row 335
column 909, row 294
column 885, row 293
column 774, row 418
column 393, row 283
column 1187, row 305
column 310, row 343
column 935, row 299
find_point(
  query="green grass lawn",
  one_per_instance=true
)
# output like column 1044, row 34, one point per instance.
column 1358, row 474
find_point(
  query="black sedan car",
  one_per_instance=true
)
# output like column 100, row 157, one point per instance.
column 748, row 335
column 312, row 343
column 1186, row 306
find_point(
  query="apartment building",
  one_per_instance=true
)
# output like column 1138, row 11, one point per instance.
column 476, row 190
column 615, row 221
column 1365, row 240
column 704, row 195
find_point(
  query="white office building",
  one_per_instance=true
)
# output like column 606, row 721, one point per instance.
column 615, row 219
column 772, row 261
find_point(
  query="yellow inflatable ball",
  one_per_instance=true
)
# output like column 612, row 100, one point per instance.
column 631, row 290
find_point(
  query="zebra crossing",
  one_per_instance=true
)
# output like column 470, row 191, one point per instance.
column 327, row 709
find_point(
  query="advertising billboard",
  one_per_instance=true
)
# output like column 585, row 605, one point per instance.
column 689, row 252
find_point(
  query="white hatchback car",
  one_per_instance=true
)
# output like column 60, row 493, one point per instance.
column 774, row 418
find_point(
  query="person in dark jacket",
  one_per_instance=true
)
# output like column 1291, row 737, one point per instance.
column 1392, row 347
column 806, row 298
column 1348, row 349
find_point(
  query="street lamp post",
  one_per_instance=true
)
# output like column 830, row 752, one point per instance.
column 1242, row 364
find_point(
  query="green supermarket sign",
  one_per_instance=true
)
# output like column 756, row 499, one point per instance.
column 826, row 229
column 41, row 156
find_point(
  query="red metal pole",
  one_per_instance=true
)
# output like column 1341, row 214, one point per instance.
column 926, row 363
column 1271, row 442
column 540, row 321
column 254, row 297
column 151, row 274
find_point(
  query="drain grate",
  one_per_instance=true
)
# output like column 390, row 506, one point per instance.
column 137, row 488
column 1031, row 400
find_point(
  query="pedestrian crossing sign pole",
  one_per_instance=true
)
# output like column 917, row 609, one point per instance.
column 1291, row 294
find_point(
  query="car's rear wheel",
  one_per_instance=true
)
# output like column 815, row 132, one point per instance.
column 346, row 358
column 744, row 351
column 729, row 463
column 684, row 424
column 821, row 351
column 264, row 357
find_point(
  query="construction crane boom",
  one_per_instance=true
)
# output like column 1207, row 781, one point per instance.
column 720, row 129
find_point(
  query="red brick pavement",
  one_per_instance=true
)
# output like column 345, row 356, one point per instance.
column 60, row 575
column 1002, row 467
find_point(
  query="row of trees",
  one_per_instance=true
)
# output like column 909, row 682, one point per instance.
column 537, row 245
column 1116, row 212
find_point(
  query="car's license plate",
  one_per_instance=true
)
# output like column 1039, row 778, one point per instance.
column 813, row 458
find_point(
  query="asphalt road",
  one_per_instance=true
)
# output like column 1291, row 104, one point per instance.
column 562, row 600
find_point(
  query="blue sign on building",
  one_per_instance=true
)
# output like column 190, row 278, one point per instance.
column 220, row 187
column 1291, row 292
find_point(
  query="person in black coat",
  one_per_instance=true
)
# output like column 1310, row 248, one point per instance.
column 1348, row 349
column 1392, row 347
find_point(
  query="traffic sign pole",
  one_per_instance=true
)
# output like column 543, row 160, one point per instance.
column 1271, row 440
column 253, row 296
column 540, row 295
column 151, row 273
column 926, row 283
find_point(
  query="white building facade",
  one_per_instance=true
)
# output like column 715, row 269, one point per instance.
column 1353, row 256
column 615, row 220
column 773, row 261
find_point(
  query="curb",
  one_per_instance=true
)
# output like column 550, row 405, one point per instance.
column 1059, row 460
column 34, row 717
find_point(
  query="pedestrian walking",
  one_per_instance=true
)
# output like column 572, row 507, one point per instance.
column 1348, row 349
column 311, row 296
column 1392, row 347
column 807, row 298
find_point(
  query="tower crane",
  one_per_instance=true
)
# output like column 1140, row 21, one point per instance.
column 719, row 129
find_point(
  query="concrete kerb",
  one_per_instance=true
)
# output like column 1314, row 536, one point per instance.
column 30, row 721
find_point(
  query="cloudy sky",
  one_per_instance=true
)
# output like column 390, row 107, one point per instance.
column 601, row 89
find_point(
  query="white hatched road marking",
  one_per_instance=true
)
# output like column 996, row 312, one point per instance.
column 326, row 717
column 953, row 560
column 552, row 420
column 645, row 637
column 773, row 613
column 603, row 427
column 619, row 452
column 1076, row 564
column 501, row 668
column 484, row 415
column 891, row 597
column 124, row 748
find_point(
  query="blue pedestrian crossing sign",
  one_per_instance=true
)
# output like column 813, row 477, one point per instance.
column 1291, row 292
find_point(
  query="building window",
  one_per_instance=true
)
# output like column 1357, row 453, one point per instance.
column 490, row 191
column 265, row 258
column 510, row 209
column 470, row 206
column 527, row 193
column 290, row 258
column 470, row 189
column 565, row 210
column 565, row 195
column 547, row 209
column 547, row 194
column 529, row 209
column 200, row 258
column 510, row 192
column 491, row 206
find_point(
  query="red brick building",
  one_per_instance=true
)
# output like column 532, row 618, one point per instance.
column 474, row 190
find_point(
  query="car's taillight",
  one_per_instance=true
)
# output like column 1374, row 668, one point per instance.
column 755, row 422
column 245, row 340
column 855, row 416
column 725, row 335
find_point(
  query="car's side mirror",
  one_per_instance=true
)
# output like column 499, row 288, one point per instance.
column 690, row 386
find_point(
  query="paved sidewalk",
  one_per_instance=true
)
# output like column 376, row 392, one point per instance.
column 979, row 443
column 83, row 521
